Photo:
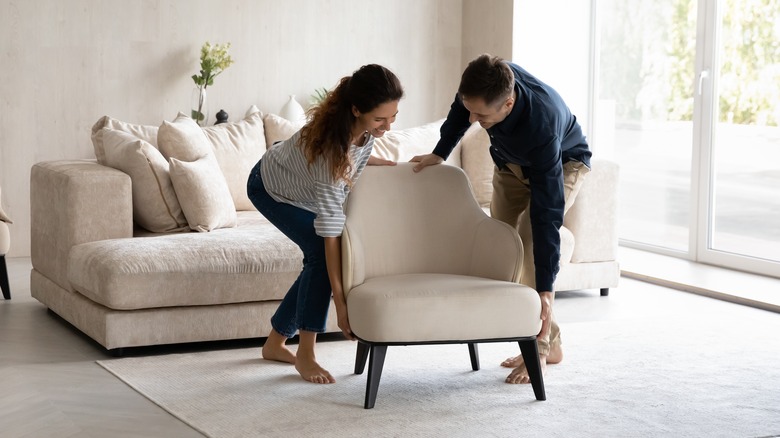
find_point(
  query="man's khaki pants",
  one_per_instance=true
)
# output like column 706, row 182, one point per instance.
column 511, row 197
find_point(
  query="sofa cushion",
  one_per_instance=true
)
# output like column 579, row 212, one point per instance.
column 144, row 132
column 477, row 163
column 278, row 128
column 404, row 144
column 183, row 141
column 203, row 194
column 155, row 206
column 251, row 262
column 237, row 147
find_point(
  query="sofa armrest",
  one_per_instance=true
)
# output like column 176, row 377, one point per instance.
column 73, row 202
column 593, row 217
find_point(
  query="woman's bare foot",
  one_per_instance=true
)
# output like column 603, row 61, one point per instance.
column 311, row 371
column 274, row 349
column 306, row 363
column 520, row 374
column 279, row 353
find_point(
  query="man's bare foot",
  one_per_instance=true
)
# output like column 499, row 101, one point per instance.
column 555, row 356
column 311, row 371
column 520, row 373
column 279, row 353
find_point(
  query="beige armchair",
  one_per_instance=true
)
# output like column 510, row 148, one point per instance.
column 5, row 245
column 423, row 264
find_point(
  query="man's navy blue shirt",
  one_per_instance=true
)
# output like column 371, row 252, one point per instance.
column 539, row 134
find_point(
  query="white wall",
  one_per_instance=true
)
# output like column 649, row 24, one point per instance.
column 65, row 63
column 487, row 28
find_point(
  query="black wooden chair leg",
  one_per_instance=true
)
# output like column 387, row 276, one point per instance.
column 4, row 279
column 530, row 353
column 474, row 354
column 361, row 357
column 604, row 291
column 375, row 364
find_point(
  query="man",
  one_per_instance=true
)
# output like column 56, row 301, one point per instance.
column 541, row 157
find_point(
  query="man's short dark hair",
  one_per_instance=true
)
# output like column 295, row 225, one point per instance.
column 487, row 77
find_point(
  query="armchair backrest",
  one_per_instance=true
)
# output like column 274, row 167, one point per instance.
column 401, row 222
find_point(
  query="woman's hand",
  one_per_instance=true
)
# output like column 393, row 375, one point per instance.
column 376, row 161
column 343, row 320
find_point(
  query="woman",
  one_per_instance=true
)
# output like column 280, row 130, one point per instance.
column 300, row 186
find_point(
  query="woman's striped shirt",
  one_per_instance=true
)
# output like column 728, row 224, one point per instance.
column 289, row 178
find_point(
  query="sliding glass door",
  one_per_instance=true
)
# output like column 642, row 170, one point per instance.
column 644, row 115
column 687, row 100
column 741, row 176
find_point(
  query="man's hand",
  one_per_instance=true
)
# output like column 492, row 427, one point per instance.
column 424, row 161
column 376, row 161
column 547, row 303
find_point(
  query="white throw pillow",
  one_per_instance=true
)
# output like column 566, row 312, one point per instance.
column 203, row 194
column 477, row 163
column 144, row 132
column 201, row 187
column 238, row 146
column 183, row 139
column 155, row 206
column 402, row 145
column 278, row 128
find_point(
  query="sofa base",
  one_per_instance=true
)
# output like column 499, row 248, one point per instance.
column 595, row 275
column 116, row 329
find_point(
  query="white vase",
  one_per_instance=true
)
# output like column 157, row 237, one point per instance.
column 293, row 111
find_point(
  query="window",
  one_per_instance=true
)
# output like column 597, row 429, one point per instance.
column 684, row 95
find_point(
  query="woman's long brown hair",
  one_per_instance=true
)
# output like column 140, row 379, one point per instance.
column 329, row 130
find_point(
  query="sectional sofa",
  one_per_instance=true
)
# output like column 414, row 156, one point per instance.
column 155, row 241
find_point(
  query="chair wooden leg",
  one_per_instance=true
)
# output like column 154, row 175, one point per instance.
column 375, row 364
column 4, row 279
column 604, row 291
column 530, row 352
column 474, row 354
column 361, row 357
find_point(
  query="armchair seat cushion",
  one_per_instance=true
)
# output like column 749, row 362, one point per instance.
column 441, row 307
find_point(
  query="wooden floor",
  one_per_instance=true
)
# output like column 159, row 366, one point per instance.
column 50, row 385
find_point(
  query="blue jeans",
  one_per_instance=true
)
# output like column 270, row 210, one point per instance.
column 305, row 307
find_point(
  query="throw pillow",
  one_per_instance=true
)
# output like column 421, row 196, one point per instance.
column 404, row 144
column 155, row 206
column 144, row 132
column 203, row 194
column 238, row 146
column 278, row 128
column 200, row 180
column 477, row 163
column 183, row 139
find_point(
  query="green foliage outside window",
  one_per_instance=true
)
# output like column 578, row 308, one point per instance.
column 648, row 53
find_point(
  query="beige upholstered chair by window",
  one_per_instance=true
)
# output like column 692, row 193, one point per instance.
column 423, row 264
column 5, row 245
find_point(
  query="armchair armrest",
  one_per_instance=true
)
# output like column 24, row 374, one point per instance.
column 497, row 252
column 353, row 272
column 73, row 202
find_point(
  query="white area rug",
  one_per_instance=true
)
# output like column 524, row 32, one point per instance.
column 625, row 378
